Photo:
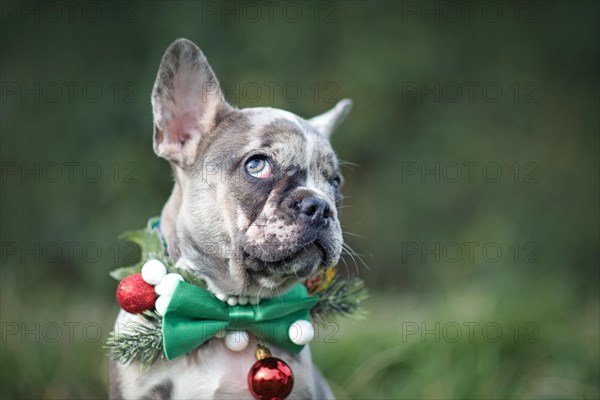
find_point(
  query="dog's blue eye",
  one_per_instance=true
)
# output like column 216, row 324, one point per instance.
column 259, row 167
column 337, row 182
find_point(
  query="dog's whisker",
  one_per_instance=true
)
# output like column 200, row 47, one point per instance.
column 279, row 296
column 352, row 253
column 344, row 163
column 349, row 252
column 354, row 235
column 262, row 286
column 345, row 264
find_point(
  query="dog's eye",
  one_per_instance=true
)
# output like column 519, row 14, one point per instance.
column 336, row 182
column 259, row 167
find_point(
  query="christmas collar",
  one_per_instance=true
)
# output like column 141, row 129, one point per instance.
column 181, row 314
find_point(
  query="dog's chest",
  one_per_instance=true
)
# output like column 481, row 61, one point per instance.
column 210, row 372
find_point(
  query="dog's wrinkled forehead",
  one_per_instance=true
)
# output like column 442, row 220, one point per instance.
column 290, row 140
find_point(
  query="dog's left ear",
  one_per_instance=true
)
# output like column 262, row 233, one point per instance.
column 328, row 122
column 187, row 103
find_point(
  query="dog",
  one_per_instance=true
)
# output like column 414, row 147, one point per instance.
column 263, row 184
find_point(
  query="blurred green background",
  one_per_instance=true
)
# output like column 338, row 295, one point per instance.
column 474, row 199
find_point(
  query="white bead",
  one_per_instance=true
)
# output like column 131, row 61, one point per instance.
column 301, row 332
column 220, row 334
column 237, row 340
column 167, row 284
column 232, row 301
column 223, row 297
column 254, row 300
column 161, row 304
column 243, row 300
column 153, row 271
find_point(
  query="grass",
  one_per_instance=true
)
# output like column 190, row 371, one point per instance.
column 411, row 348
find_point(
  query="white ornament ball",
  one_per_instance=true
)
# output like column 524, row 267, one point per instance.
column 153, row 271
column 167, row 284
column 237, row 340
column 243, row 300
column 161, row 304
column 301, row 332
column 254, row 300
column 223, row 297
column 232, row 301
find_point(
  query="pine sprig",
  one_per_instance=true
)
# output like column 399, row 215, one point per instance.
column 143, row 344
column 341, row 298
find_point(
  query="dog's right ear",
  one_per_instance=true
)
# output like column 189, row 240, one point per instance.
column 186, row 102
column 328, row 122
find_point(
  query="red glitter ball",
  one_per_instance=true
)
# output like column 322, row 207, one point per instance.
column 270, row 379
column 134, row 295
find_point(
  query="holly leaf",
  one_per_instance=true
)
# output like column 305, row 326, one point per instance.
column 148, row 240
column 122, row 273
column 151, row 247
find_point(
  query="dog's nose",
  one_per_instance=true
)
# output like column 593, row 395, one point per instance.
column 315, row 210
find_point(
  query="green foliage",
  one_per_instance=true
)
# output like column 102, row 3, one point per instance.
column 143, row 344
column 150, row 245
column 342, row 298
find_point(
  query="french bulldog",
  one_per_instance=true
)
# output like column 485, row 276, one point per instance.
column 254, row 209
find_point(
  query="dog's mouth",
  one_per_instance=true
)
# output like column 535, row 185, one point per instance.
column 276, row 269
column 271, row 264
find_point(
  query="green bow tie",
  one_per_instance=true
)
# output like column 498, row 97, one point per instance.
column 194, row 315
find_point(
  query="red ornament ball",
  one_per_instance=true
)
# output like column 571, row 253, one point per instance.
column 270, row 379
column 134, row 295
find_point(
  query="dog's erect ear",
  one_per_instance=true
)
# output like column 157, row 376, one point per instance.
column 186, row 102
column 327, row 122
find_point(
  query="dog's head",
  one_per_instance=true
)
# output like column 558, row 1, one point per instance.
column 254, row 206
